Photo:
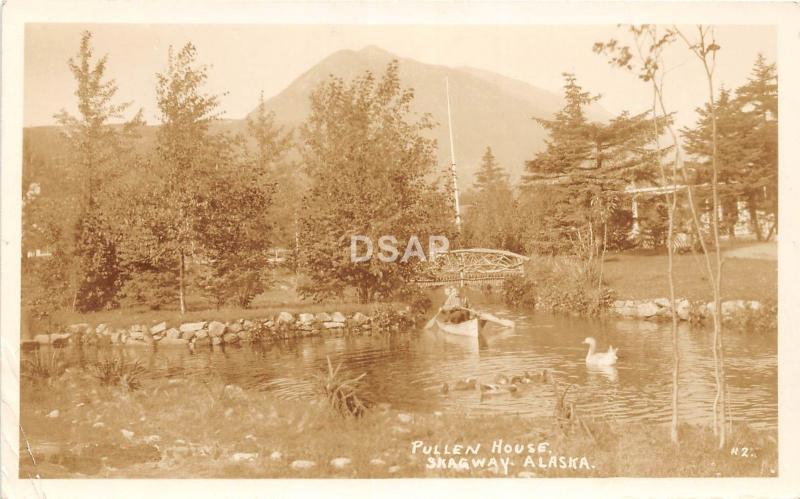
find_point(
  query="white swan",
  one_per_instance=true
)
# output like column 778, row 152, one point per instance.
column 602, row 358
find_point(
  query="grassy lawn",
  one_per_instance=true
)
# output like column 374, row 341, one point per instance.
column 182, row 428
column 644, row 276
column 633, row 275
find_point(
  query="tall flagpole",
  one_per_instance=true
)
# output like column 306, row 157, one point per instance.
column 453, row 158
column 455, row 178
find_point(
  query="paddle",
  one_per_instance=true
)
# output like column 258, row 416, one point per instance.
column 491, row 318
column 433, row 319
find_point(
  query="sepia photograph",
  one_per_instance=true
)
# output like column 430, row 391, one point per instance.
column 359, row 250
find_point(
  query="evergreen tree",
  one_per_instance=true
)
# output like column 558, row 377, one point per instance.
column 235, row 233
column 574, row 184
column 490, row 172
column 759, row 101
column 490, row 219
column 733, row 154
column 747, row 147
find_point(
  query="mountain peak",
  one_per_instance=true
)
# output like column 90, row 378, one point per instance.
column 373, row 51
column 488, row 109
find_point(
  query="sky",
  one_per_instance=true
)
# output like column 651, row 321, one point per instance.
column 248, row 59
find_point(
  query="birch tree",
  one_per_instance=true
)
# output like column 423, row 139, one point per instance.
column 646, row 58
column 187, row 153
column 705, row 48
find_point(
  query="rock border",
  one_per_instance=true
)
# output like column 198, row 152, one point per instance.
column 281, row 326
column 660, row 309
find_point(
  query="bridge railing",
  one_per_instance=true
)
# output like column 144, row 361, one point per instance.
column 473, row 265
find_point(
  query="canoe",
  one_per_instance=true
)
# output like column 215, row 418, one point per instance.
column 471, row 327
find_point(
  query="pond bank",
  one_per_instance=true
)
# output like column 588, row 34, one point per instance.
column 203, row 428
column 685, row 310
column 281, row 326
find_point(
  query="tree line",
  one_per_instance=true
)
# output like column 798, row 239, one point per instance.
column 199, row 209
column 571, row 197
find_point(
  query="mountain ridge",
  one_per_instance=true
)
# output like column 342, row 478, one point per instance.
column 488, row 109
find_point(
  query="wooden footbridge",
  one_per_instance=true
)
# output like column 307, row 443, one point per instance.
column 478, row 265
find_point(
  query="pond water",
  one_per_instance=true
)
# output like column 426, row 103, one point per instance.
column 408, row 370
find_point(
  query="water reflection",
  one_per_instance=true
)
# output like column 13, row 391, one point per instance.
column 609, row 372
column 408, row 370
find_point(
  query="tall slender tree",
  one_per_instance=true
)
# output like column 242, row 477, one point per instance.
column 647, row 61
column 188, row 153
column 705, row 48
column 98, row 147
column 271, row 155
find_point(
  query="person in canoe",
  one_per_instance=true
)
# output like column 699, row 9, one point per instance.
column 454, row 308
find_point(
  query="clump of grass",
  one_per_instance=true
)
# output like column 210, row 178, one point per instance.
column 118, row 373
column 342, row 393
column 565, row 416
column 43, row 368
column 564, row 410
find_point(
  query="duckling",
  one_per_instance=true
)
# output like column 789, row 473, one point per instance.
column 517, row 380
column 491, row 389
column 466, row 384
column 501, row 379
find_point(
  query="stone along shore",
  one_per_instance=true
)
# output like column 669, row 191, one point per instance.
column 282, row 326
column 659, row 308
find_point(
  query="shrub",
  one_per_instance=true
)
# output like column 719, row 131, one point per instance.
column 763, row 320
column 98, row 264
column 153, row 288
column 416, row 298
column 118, row 373
column 559, row 284
column 386, row 318
column 43, row 368
column 519, row 291
column 237, row 286
column 260, row 333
